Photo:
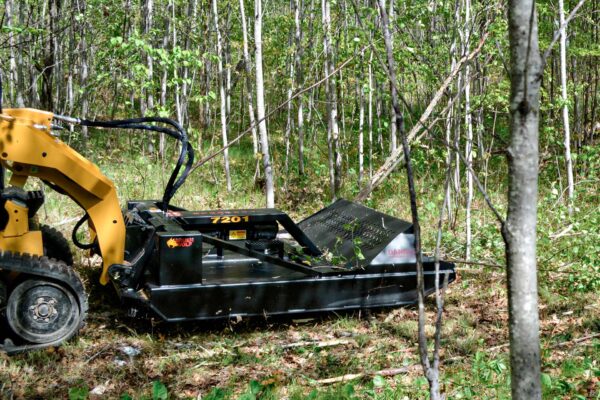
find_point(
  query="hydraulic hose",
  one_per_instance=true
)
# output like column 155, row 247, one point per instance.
column 175, row 180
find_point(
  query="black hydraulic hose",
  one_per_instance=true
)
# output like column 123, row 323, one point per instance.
column 83, row 246
column 179, row 133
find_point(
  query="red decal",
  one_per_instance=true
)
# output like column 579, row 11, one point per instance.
column 180, row 242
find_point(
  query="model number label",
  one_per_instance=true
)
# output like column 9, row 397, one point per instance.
column 230, row 219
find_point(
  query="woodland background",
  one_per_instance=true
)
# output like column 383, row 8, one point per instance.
column 328, row 131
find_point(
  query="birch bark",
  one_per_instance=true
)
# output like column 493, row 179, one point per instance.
column 222, row 94
column 260, row 105
column 565, row 108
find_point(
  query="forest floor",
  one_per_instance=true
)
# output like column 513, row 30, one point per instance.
column 347, row 356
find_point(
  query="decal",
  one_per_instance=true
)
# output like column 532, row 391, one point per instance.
column 237, row 235
column 401, row 250
column 234, row 219
column 180, row 242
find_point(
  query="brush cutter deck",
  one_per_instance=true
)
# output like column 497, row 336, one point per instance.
column 227, row 263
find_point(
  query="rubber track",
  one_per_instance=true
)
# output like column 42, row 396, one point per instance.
column 49, row 269
column 55, row 245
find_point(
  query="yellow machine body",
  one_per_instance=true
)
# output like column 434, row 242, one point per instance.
column 27, row 148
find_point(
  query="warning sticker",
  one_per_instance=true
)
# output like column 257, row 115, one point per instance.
column 237, row 234
column 180, row 242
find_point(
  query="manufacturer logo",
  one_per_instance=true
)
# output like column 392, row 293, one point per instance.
column 180, row 242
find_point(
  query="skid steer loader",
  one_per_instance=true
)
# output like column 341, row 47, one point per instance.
column 176, row 264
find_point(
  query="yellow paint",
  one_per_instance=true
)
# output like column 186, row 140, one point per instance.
column 18, row 221
column 28, row 149
column 30, row 242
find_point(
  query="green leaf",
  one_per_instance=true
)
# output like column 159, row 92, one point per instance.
column 255, row 387
column 78, row 393
column 378, row 381
column 546, row 380
column 216, row 394
column 115, row 41
column 159, row 391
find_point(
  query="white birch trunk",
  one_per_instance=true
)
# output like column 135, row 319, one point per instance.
column 370, row 115
column 12, row 62
column 335, row 158
column 299, row 82
column 222, row 94
column 148, row 16
column 565, row 108
column 260, row 105
column 393, row 132
column 361, row 122
column 469, row 128
column 248, row 69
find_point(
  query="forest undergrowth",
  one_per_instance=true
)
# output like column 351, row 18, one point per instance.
column 335, row 356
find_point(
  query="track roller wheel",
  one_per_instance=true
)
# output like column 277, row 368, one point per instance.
column 41, row 311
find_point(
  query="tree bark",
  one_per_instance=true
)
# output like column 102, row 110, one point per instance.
column 469, row 128
column 148, row 100
column 260, row 106
column 519, row 231
column 248, row 70
column 222, row 94
column 333, row 131
column 565, row 107
column 299, row 82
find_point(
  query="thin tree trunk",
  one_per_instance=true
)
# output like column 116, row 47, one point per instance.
column 299, row 82
column 335, row 158
column 148, row 100
column 565, row 108
column 248, row 70
column 222, row 94
column 290, row 92
column 227, row 60
column 469, row 128
column 13, row 91
column 83, row 77
column 431, row 372
column 163, row 81
column 393, row 130
column 370, row 115
column 20, row 76
column 260, row 105
column 360, row 92
column 519, row 231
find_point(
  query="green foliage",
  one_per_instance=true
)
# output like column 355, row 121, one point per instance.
column 78, row 393
column 159, row 391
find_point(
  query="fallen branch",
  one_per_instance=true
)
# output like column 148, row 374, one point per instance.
column 351, row 377
column 576, row 341
column 484, row 264
column 396, row 157
column 326, row 343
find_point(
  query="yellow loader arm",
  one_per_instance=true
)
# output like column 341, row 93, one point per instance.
column 28, row 148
